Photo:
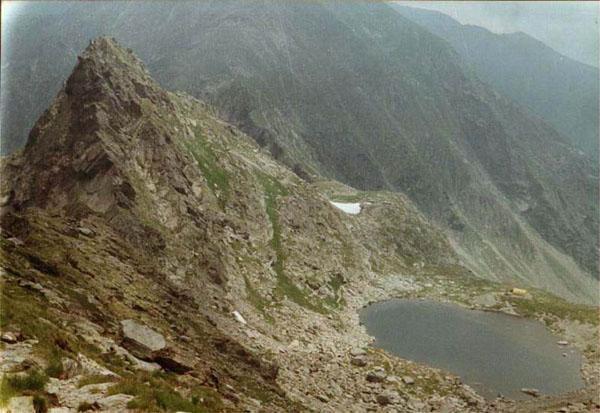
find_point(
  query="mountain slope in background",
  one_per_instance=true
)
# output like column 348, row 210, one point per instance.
column 357, row 93
column 562, row 91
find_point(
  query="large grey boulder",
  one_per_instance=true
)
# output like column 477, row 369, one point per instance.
column 141, row 341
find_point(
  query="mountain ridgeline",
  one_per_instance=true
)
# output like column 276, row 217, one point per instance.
column 358, row 93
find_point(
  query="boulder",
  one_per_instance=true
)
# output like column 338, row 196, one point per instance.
column 388, row 397
column 9, row 337
column 115, row 403
column 376, row 376
column 486, row 300
column 85, row 231
column 358, row 361
column 392, row 380
column 70, row 368
column 358, row 352
column 171, row 360
column 408, row 380
column 140, row 340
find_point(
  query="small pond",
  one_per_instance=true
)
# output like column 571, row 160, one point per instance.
column 492, row 352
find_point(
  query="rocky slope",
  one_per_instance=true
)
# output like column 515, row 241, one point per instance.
column 133, row 208
column 357, row 93
column 155, row 258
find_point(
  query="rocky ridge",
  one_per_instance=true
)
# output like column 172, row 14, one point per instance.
column 154, row 257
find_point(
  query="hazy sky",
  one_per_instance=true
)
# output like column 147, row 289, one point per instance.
column 569, row 27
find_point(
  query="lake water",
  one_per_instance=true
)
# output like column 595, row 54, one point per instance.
column 492, row 352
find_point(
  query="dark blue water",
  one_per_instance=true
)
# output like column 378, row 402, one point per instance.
column 492, row 352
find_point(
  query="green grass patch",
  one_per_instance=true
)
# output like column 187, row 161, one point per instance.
column 337, row 300
column 155, row 393
column 285, row 286
column 541, row 302
column 32, row 383
column 95, row 379
column 544, row 303
column 55, row 366
column 216, row 177
column 257, row 300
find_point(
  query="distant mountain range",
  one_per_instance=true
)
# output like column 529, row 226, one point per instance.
column 562, row 91
column 358, row 93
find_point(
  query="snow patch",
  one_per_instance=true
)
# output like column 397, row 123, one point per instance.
column 352, row 208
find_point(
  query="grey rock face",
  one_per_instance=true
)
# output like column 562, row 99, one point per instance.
column 140, row 340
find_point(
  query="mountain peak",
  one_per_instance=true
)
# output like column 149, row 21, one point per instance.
column 105, row 65
column 91, row 129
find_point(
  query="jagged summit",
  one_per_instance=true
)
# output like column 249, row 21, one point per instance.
column 108, row 81
column 107, row 66
column 87, row 138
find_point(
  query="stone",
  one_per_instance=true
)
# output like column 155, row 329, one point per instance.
column 376, row 376
column 387, row 397
column 16, row 241
column 31, row 285
column 358, row 361
column 92, row 368
column 85, row 231
column 60, row 410
column 115, row 403
column 70, row 368
column 357, row 352
column 23, row 404
column 140, row 340
column 408, row 380
column 5, row 199
column 9, row 337
column 531, row 392
column 562, row 343
column 392, row 380
column 239, row 317
column 485, row 300
column 171, row 360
